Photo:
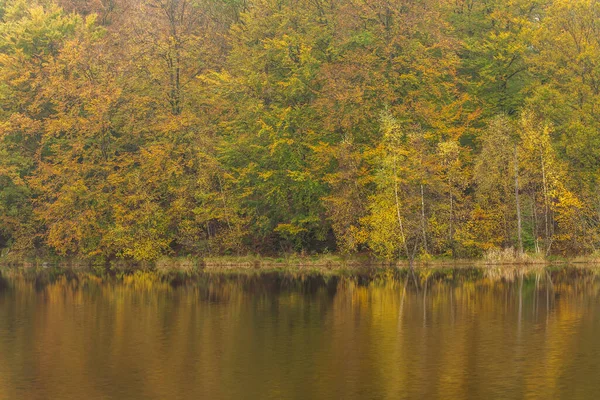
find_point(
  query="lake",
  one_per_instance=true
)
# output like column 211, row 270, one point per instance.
column 501, row 332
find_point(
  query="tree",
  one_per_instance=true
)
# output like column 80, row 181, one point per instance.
column 566, row 91
column 268, row 124
column 497, row 173
column 496, row 40
column 31, row 35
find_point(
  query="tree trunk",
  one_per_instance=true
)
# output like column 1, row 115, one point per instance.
column 518, row 203
column 399, row 216
column 547, row 238
column 451, row 222
column 423, row 220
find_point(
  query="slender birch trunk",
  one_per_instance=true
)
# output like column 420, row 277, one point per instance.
column 518, row 202
column 423, row 220
column 399, row 215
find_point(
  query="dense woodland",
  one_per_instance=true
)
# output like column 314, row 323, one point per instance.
column 402, row 129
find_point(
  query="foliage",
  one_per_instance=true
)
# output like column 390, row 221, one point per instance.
column 137, row 129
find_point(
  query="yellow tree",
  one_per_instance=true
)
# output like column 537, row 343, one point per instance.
column 566, row 93
column 560, row 218
column 497, row 215
column 379, row 59
column 31, row 35
column 397, row 221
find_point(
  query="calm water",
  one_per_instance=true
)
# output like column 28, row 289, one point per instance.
column 498, row 333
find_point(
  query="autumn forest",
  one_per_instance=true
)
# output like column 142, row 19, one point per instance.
column 401, row 129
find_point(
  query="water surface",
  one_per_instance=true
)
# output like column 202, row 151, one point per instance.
column 465, row 333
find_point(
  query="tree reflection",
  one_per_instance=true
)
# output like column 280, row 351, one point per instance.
column 465, row 332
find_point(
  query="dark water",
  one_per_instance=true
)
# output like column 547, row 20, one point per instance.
column 481, row 334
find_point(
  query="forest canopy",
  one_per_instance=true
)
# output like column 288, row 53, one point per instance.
column 403, row 129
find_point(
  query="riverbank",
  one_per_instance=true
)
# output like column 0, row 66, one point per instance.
column 174, row 273
column 292, row 262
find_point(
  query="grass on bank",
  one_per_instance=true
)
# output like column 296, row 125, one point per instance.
column 293, row 261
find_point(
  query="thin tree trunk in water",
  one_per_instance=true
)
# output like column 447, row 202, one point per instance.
column 400, row 311
column 423, row 220
column 518, row 203
column 520, row 301
column 425, row 303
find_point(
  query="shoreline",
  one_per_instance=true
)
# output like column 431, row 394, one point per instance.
column 329, row 263
column 186, row 274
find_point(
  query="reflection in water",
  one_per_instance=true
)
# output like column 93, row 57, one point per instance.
column 478, row 333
